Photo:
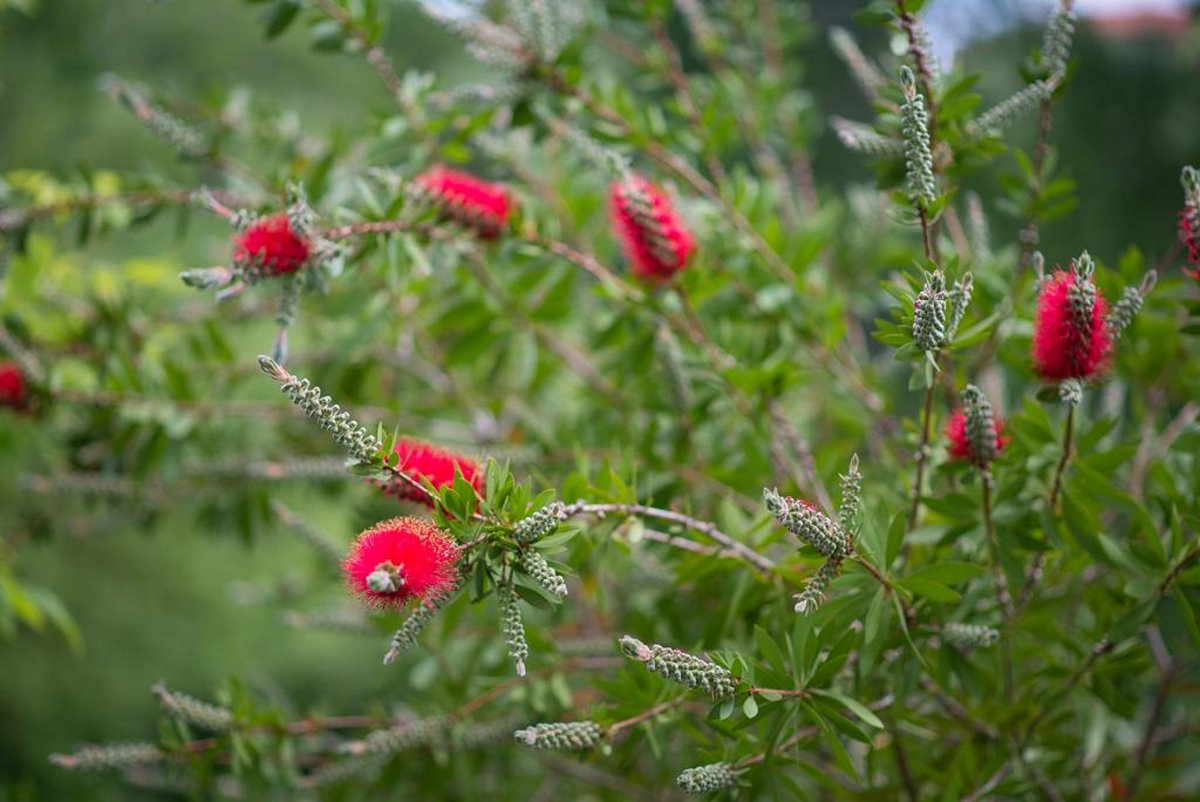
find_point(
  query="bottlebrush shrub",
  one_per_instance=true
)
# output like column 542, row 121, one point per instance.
column 667, row 571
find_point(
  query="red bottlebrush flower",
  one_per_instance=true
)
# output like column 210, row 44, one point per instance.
column 401, row 559
column 1189, row 235
column 271, row 245
column 427, row 462
column 1065, row 347
column 653, row 235
column 12, row 385
column 960, row 446
column 473, row 202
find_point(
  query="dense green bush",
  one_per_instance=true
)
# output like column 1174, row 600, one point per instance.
column 739, row 481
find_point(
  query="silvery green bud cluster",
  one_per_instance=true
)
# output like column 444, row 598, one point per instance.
column 471, row 735
column 1189, row 179
column 813, row 595
column 307, row 531
column 972, row 635
column 513, row 626
column 960, row 299
column 1070, row 391
column 851, row 483
column 918, row 161
column 865, row 73
column 186, row 140
column 341, row 770
column 863, row 139
column 612, row 162
column 978, row 224
column 1121, row 316
column 362, row 445
column 395, row 739
column 1005, row 113
column 561, row 735
column 1081, row 295
column 193, row 711
column 301, row 217
column 679, row 666
column 541, row 523
column 929, row 314
column 534, row 564
column 289, row 304
column 110, row 756
column 337, row 620
column 406, row 636
column 207, row 278
column 546, row 27
column 704, row 779
column 1056, row 40
column 980, row 425
column 808, row 524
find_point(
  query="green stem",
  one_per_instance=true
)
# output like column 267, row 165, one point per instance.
column 1002, row 592
column 922, row 456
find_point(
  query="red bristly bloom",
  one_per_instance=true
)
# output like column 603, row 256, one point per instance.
column 960, row 447
column 12, row 385
column 473, row 202
column 401, row 559
column 271, row 245
column 426, row 462
column 652, row 233
column 1062, row 348
column 1189, row 235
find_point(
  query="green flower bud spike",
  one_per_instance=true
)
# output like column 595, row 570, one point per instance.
column 561, row 735
column 705, row 779
column 679, row 666
column 929, row 314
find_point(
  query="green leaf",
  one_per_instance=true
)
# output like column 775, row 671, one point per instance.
column 934, row 591
column 854, row 706
column 948, row 572
column 750, row 707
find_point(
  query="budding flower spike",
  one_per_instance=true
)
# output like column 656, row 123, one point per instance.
column 1071, row 337
column 975, row 435
column 401, row 559
column 705, row 779
column 679, row 666
column 425, row 462
column 652, row 234
column 479, row 205
column 572, row 735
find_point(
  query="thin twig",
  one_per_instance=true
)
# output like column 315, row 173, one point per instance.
column 706, row 528
column 922, row 456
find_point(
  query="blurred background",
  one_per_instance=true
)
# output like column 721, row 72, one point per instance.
column 177, row 604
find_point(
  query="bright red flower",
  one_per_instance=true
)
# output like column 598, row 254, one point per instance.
column 477, row 204
column 1189, row 235
column 271, row 244
column 653, row 235
column 401, row 559
column 12, row 385
column 1062, row 348
column 427, row 462
column 956, row 434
